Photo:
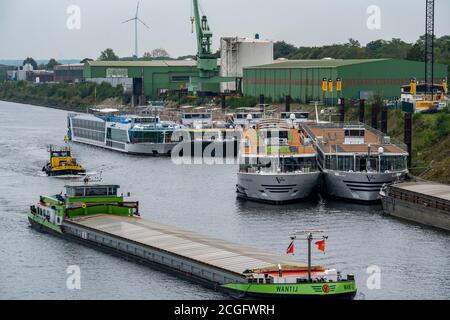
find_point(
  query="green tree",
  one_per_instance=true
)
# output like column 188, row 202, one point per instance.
column 281, row 49
column 416, row 53
column 3, row 74
column 86, row 60
column 30, row 61
column 353, row 43
column 52, row 63
column 108, row 55
column 374, row 47
column 156, row 54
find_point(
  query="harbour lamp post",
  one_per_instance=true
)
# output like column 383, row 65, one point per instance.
column 309, row 237
column 292, row 118
column 249, row 119
column 380, row 153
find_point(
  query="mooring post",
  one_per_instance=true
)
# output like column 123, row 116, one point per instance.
column 342, row 110
column 408, row 136
column 223, row 101
column 288, row 103
column 374, row 115
column 362, row 111
column 384, row 119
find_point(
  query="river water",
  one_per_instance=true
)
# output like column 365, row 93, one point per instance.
column 414, row 261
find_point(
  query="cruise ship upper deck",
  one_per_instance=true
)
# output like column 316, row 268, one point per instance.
column 275, row 137
column 352, row 138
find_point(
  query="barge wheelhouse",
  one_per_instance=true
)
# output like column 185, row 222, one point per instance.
column 356, row 160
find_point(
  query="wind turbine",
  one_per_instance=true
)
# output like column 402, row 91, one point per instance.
column 136, row 20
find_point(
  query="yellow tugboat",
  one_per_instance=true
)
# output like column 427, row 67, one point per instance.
column 62, row 163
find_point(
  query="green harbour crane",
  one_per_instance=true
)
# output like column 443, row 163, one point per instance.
column 208, row 79
column 206, row 60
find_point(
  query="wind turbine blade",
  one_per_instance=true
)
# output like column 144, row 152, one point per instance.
column 137, row 9
column 129, row 20
column 143, row 23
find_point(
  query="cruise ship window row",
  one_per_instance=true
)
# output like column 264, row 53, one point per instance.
column 362, row 163
column 89, row 134
column 196, row 116
column 284, row 165
column 88, row 124
column 117, row 135
column 150, row 136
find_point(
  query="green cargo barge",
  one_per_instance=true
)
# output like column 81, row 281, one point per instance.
column 96, row 215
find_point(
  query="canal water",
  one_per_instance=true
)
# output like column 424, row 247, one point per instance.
column 414, row 261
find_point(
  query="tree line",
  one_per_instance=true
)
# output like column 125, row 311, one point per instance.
column 107, row 55
column 395, row 48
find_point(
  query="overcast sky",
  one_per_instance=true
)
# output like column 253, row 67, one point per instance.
column 38, row 28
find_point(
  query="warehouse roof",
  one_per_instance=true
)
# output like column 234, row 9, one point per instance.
column 153, row 63
column 69, row 66
column 323, row 63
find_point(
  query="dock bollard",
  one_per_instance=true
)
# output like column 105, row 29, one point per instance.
column 362, row 111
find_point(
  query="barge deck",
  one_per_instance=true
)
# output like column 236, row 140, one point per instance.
column 136, row 234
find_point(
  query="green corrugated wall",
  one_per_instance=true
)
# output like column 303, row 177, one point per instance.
column 304, row 84
column 155, row 77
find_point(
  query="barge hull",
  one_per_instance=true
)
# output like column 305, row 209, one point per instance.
column 208, row 261
column 421, row 202
column 407, row 211
column 123, row 255
column 150, row 254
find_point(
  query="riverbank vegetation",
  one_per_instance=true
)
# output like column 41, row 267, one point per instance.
column 431, row 145
column 76, row 96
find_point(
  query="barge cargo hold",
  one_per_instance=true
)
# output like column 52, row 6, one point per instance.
column 423, row 202
column 97, row 216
